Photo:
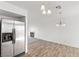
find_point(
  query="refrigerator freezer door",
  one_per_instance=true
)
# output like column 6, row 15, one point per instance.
column 19, row 38
column 7, row 47
column 7, row 25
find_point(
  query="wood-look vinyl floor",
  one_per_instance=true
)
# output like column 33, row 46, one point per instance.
column 41, row 48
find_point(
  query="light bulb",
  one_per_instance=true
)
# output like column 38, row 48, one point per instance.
column 44, row 12
column 49, row 12
column 42, row 7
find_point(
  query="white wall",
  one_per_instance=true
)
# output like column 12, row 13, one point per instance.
column 12, row 8
column 45, row 26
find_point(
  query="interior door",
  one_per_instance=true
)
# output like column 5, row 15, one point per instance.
column 7, row 47
column 19, row 38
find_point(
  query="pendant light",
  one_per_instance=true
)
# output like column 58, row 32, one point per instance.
column 60, row 22
column 44, row 10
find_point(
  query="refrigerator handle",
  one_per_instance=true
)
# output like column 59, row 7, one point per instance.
column 14, row 36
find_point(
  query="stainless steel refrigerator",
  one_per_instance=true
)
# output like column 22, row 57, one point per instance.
column 12, row 37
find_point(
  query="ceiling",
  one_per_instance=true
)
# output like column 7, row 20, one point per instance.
column 35, row 15
column 34, row 6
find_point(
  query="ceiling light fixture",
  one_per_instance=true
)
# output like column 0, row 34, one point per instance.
column 45, row 11
column 60, row 22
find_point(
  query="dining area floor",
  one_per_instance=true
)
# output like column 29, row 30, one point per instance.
column 41, row 48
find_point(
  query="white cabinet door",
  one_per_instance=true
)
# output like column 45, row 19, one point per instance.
column 20, row 37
